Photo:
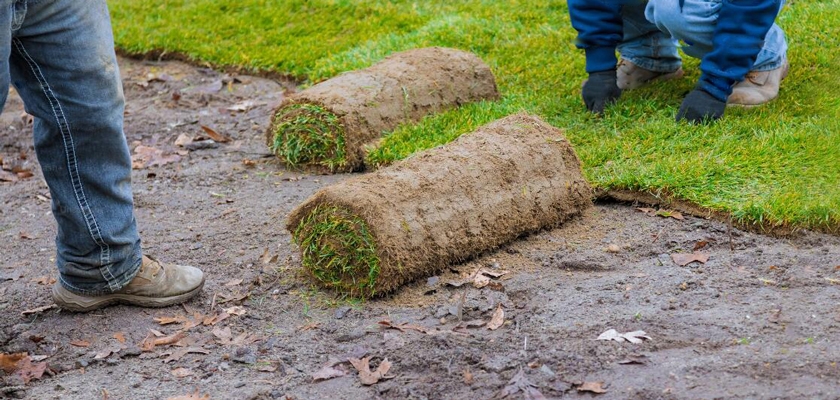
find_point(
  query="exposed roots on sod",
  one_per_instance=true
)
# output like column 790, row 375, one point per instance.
column 308, row 134
column 339, row 250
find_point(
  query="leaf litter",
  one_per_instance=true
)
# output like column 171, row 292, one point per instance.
column 368, row 377
column 520, row 383
column 632, row 337
column 683, row 259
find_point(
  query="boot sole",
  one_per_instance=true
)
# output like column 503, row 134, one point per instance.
column 70, row 301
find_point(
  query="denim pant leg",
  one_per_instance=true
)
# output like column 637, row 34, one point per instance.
column 644, row 44
column 695, row 22
column 6, row 21
column 64, row 67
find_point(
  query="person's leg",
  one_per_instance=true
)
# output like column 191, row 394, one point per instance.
column 6, row 21
column 64, row 67
column 694, row 24
column 647, row 53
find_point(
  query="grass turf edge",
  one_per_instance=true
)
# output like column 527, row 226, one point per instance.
column 306, row 133
column 339, row 250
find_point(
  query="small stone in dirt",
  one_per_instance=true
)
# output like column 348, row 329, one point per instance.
column 546, row 370
column 244, row 355
column 131, row 351
column 433, row 281
column 201, row 145
column 613, row 248
column 497, row 364
column 223, row 366
column 82, row 363
column 239, row 385
column 350, row 336
column 441, row 312
column 342, row 312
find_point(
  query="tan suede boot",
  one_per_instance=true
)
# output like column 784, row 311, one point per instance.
column 155, row 285
column 758, row 87
column 631, row 76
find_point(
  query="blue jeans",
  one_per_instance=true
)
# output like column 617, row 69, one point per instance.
column 61, row 60
column 652, row 30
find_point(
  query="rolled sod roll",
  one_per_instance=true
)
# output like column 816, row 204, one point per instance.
column 372, row 233
column 330, row 124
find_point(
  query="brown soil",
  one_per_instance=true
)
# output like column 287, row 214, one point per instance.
column 759, row 319
column 446, row 205
column 403, row 88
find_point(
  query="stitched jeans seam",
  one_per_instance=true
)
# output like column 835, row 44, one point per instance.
column 72, row 165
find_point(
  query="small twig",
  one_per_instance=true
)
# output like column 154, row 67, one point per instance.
column 461, row 304
column 658, row 234
column 213, row 303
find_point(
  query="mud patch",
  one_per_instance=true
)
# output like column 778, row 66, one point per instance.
column 331, row 124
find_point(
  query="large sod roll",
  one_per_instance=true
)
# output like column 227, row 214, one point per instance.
column 330, row 124
column 372, row 233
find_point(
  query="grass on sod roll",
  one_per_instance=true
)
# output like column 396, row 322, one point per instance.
column 775, row 165
column 338, row 249
column 307, row 132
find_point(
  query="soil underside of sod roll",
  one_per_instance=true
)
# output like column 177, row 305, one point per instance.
column 372, row 233
column 331, row 125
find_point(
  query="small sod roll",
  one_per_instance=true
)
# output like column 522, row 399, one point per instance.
column 370, row 234
column 330, row 125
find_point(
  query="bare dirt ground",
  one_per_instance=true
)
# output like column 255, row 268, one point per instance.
column 760, row 319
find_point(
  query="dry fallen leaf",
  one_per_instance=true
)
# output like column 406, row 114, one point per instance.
column 468, row 377
column 8, row 362
column 646, row 210
column 632, row 337
column 481, row 281
column 120, row 337
column 181, row 372
column 149, row 343
column 107, row 353
column 683, row 259
column 28, row 371
column 145, row 156
column 44, row 280
column 170, row 320
column 498, row 318
column 327, row 372
column 80, row 343
column 215, row 319
column 183, row 140
column 177, row 354
column 634, row 359
column 368, row 377
column 699, row 245
column 191, row 396
column 218, row 137
column 39, row 309
column 593, row 387
column 402, row 327
column 520, row 383
column 670, row 213
column 236, row 310
column 234, row 282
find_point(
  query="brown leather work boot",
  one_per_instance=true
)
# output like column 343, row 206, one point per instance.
column 155, row 285
column 631, row 76
column 758, row 87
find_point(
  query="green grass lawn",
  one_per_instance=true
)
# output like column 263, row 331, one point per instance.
column 777, row 165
